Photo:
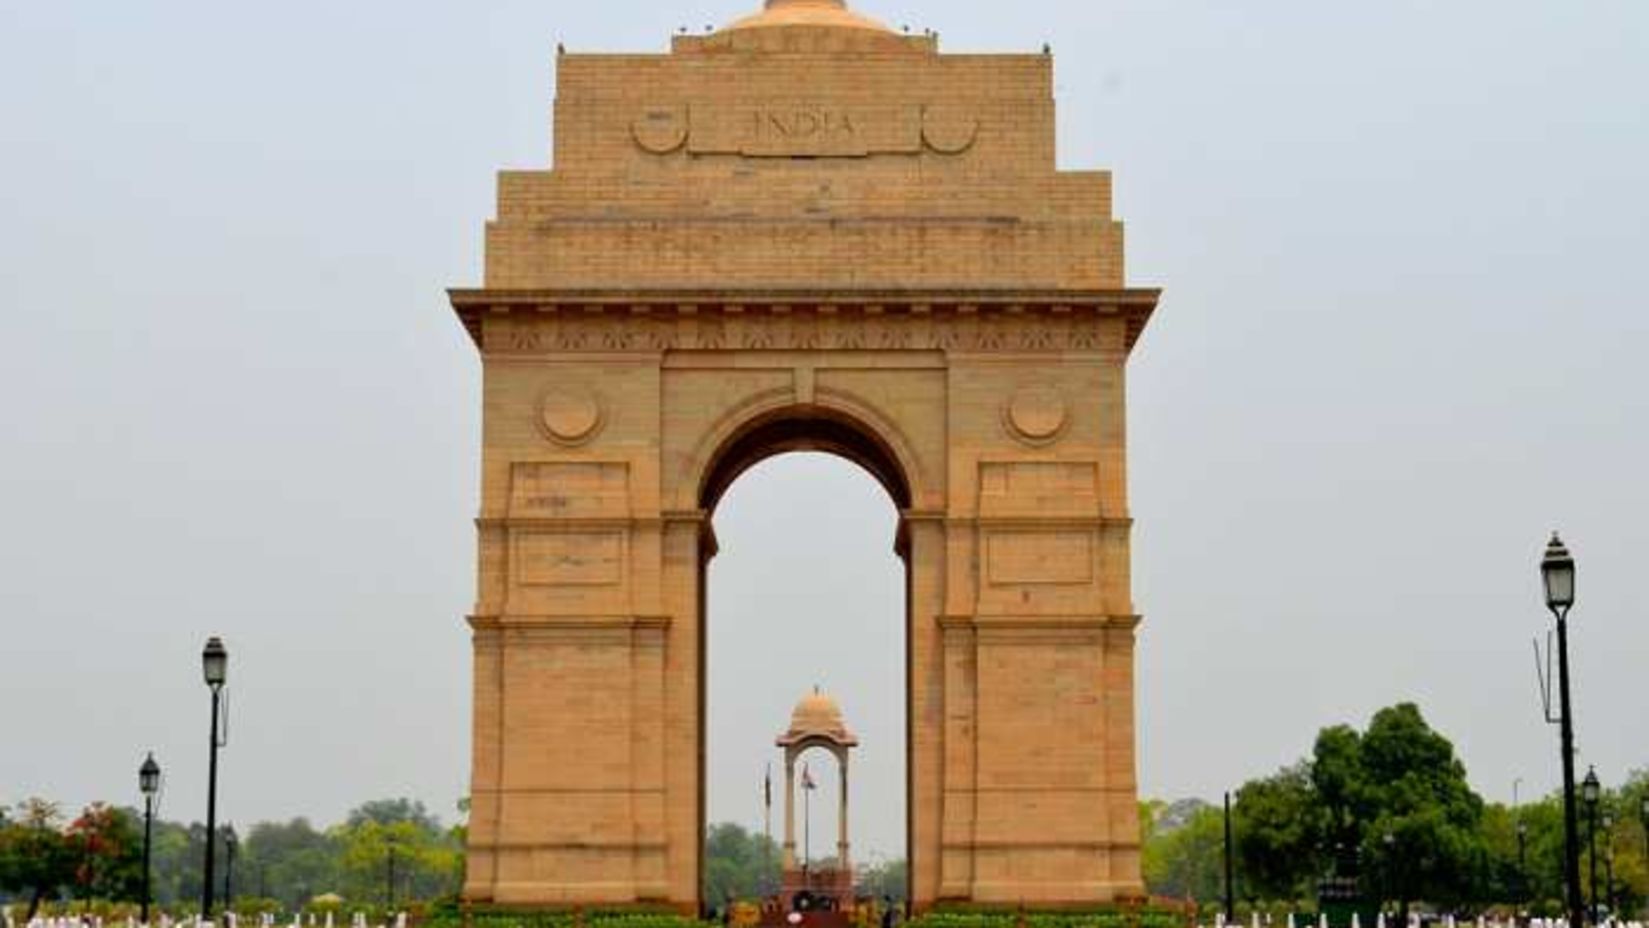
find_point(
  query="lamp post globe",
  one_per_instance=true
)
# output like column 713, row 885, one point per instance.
column 148, row 783
column 214, row 662
column 148, row 777
column 1557, row 573
column 1591, row 790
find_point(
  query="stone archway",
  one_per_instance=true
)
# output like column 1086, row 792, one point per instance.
column 720, row 267
column 841, row 427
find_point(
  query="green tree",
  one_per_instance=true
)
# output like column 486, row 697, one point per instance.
column 35, row 857
column 396, row 838
column 1278, row 824
column 1413, row 789
column 738, row 864
column 1337, row 779
column 880, row 879
column 106, row 846
column 1335, row 811
column 1185, row 851
column 292, row 861
column 394, row 811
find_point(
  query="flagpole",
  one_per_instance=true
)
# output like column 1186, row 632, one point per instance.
column 767, row 830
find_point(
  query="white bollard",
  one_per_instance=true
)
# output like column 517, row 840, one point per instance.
column 1291, row 923
column 1356, row 922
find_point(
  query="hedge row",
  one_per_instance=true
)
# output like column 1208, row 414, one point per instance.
column 1111, row 918
column 452, row 917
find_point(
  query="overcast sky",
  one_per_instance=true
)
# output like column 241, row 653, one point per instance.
column 1405, row 247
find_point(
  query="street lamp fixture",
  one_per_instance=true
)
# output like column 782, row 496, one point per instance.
column 1557, row 575
column 214, row 662
column 1557, row 572
column 1591, row 792
column 148, row 783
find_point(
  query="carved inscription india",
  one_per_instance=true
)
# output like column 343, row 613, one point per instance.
column 803, row 129
column 801, row 124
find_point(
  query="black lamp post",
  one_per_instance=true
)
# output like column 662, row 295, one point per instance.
column 389, row 888
column 214, row 660
column 1230, row 881
column 1591, row 791
column 1557, row 574
column 148, row 782
column 231, row 844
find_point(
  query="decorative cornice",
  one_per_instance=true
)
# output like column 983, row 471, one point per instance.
column 1007, row 320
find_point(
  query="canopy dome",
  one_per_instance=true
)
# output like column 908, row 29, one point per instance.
column 817, row 717
column 829, row 13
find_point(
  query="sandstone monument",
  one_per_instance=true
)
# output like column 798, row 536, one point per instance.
column 803, row 231
column 816, row 722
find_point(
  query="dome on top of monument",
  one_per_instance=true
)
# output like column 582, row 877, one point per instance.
column 830, row 13
column 817, row 716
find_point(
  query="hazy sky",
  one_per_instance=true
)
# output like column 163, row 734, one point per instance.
column 1405, row 247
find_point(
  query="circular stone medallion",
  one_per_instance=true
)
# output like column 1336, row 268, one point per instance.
column 569, row 417
column 948, row 129
column 660, row 129
column 1035, row 415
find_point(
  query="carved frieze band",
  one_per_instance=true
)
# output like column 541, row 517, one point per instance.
column 527, row 330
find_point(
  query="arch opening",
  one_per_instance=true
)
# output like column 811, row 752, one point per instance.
column 798, row 589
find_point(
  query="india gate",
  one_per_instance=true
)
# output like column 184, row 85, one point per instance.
column 803, row 231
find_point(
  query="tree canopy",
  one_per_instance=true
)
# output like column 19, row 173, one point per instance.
column 1391, row 806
